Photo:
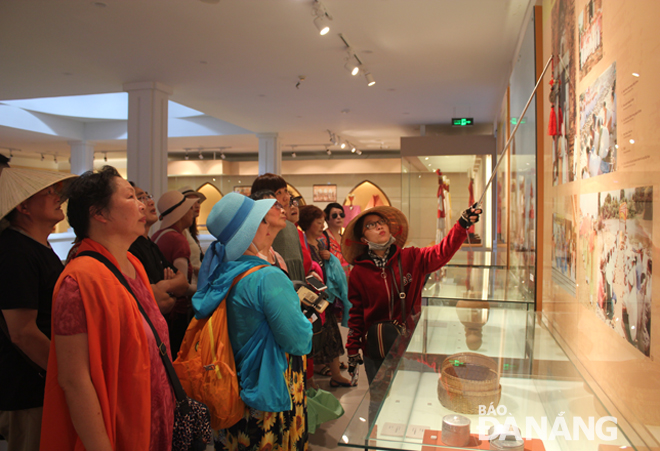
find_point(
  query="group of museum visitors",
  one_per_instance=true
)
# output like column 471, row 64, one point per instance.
column 80, row 367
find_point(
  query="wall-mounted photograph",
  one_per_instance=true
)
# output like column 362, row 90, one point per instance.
column 590, row 30
column 598, row 125
column 616, row 245
column 244, row 190
column 324, row 193
column 564, row 251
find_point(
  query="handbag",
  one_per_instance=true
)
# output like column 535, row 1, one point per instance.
column 381, row 335
column 322, row 406
column 192, row 420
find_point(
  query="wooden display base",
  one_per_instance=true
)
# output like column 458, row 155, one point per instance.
column 432, row 437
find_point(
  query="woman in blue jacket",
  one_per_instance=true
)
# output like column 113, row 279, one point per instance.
column 269, row 334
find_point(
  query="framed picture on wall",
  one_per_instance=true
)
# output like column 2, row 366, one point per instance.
column 244, row 190
column 325, row 193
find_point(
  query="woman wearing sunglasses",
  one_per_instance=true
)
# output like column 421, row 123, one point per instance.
column 334, row 217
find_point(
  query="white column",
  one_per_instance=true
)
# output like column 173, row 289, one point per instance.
column 82, row 157
column 147, row 135
column 270, row 155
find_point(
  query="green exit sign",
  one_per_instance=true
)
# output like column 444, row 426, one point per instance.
column 462, row 121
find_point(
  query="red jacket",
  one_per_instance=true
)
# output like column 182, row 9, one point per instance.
column 370, row 288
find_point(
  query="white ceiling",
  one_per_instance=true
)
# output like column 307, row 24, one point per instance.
column 239, row 61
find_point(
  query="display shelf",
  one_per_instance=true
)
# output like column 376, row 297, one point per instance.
column 477, row 283
column 474, row 258
column 539, row 384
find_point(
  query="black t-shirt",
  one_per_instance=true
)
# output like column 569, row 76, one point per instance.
column 28, row 273
column 152, row 259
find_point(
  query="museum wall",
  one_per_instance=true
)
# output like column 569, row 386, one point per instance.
column 601, row 164
column 389, row 183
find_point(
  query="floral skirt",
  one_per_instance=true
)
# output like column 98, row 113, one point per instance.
column 276, row 431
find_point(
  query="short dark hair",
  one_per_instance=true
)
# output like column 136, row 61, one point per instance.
column 328, row 208
column 308, row 214
column 89, row 194
column 359, row 224
column 269, row 181
column 262, row 194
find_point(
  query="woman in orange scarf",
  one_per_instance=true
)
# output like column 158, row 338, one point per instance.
column 106, row 386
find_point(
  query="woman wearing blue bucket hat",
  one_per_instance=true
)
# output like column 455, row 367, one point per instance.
column 269, row 333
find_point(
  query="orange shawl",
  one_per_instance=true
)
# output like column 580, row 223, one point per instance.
column 118, row 359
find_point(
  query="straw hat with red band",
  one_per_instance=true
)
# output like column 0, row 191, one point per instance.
column 352, row 247
column 18, row 185
column 172, row 206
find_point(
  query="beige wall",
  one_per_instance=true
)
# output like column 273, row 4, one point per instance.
column 628, row 380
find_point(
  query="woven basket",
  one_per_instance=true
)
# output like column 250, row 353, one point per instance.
column 468, row 380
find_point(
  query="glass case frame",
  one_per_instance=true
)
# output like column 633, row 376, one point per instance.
column 401, row 410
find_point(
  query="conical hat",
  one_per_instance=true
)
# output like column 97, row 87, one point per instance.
column 351, row 247
column 18, row 185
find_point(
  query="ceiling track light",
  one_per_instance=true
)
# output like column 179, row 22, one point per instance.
column 55, row 158
column 359, row 152
column 353, row 148
column 353, row 63
column 343, row 145
column 328, row 151
column 293, row 155
column 42, row 157
column 322, row 18
column 105, row 156
column 201, row 157
column 187, row 156
column 333, row 138
column 370, row 78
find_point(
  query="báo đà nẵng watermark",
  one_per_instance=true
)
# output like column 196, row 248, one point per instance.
column 546, row 429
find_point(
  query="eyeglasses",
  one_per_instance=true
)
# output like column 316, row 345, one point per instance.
column 294, row 202
column 334, row 215
column 277, row 205
column 146, row 197
column 373, row 225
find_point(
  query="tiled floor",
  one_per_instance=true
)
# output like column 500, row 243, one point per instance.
column 328, row 435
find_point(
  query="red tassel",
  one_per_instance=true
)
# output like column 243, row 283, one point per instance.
column 560, row 121
column 552, row 123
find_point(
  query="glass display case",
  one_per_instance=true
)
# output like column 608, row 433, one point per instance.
column 542, row 393
column 487, row 283
column 469, row 257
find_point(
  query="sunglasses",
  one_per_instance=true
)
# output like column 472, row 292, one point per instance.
column 335, row 215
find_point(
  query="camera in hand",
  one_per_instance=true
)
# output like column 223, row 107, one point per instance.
column 312, row 296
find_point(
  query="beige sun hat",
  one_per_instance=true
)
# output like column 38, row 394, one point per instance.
column 352, row 247
column 188, row 191
column 172, row 206
column 18, row 185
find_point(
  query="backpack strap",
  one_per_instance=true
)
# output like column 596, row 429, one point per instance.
column 240, row 276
